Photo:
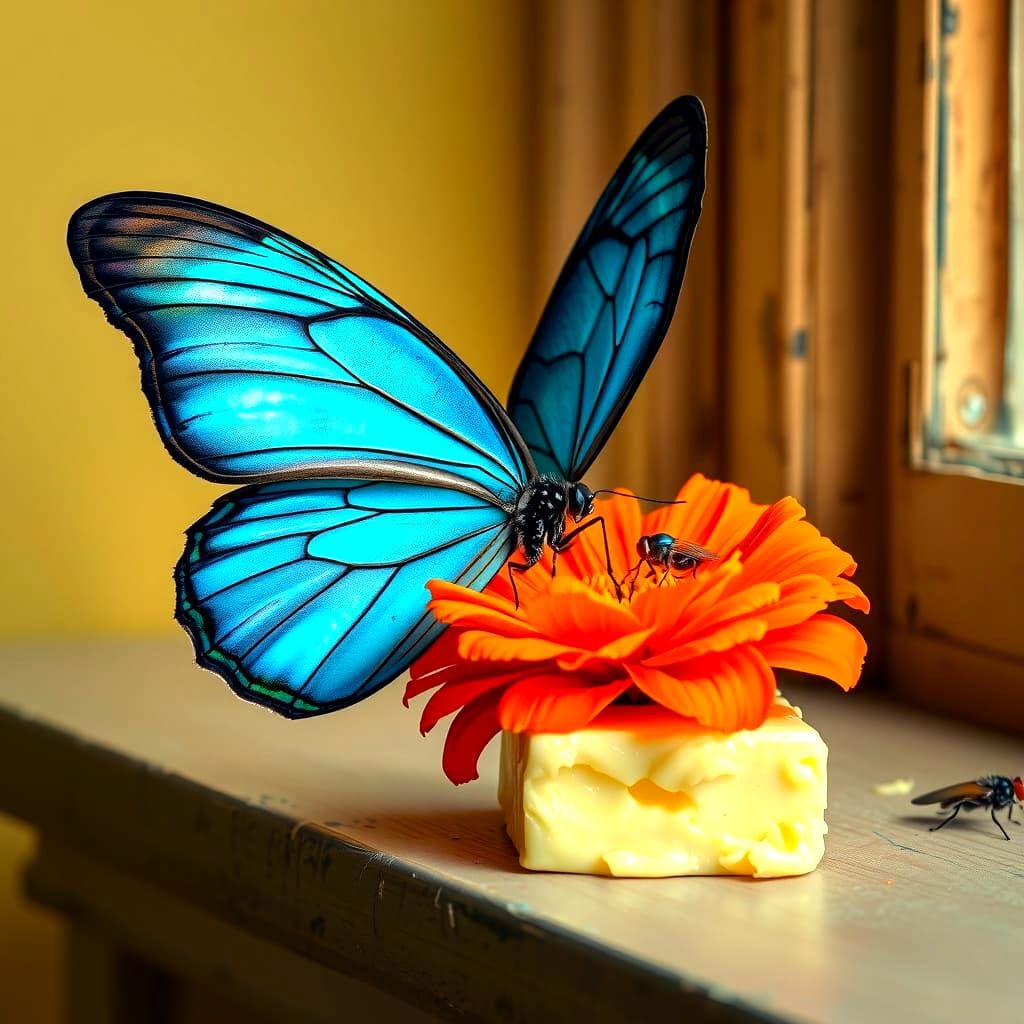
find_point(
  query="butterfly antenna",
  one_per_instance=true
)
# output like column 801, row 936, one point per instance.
column 640, row 497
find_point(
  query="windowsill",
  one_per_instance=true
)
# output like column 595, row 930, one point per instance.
column 339, row 839
column 988, row 458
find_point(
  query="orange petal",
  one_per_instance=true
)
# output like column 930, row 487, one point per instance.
column 468, row 616
column 848, row 591
column 452, row 696
column 710, row 615
column 551, row 704
column 823, row 646
column 449, row 602
column 800, row 597
column 614, row 651
column 530, row 581
column 447, row 674
column 624, row 519
column 715, row 515
column 771, row 520
column 471, row 730
column 727, row 692
column 664, row 607
column 795, row 549
column 693, row 594
column 661, row 608
column 728, row 635
column 478, row 645
column 579, row 616
column 442, row 653
column 527, row 582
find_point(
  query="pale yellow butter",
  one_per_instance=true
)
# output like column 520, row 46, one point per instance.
column 644, row 798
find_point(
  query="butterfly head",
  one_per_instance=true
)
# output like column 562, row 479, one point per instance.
column 581, row 502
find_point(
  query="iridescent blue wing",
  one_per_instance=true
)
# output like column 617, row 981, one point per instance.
column 263, row 359
column 308, row 595
column 615, row 296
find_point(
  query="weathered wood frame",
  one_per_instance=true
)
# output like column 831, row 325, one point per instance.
column 955, row 554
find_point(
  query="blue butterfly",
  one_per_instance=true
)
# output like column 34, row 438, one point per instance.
column 374, row 459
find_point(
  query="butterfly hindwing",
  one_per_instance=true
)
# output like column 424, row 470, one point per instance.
column 614, row 299
column 261, row 357
column 308, row 596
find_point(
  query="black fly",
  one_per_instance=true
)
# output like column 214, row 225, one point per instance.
column 665, row 552
column 992, row 791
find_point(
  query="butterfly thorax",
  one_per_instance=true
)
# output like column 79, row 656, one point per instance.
column 541, row 512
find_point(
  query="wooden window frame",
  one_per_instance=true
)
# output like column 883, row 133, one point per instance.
column 954, row 635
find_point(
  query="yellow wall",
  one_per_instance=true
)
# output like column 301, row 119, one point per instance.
column 391, row 135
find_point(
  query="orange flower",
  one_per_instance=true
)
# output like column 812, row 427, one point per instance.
column 703, row 647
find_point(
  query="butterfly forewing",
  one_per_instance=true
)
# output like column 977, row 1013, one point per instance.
column 262, row 358
column 615, row 296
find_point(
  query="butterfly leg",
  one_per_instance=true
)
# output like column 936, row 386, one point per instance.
column 563, row 545
column 635, row 573
column 935, row 828
column 518, row 567
column 1006, row 835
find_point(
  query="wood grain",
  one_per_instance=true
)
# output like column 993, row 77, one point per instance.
column 850, row 220
column 670, row 430
column 754, row 197
column 339, row 839
column 795, row 309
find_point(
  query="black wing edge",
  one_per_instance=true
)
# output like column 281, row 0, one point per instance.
column 253, row 229
column 691, row 110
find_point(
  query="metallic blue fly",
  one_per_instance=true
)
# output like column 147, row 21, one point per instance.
column 373, row 458
column 663, row 551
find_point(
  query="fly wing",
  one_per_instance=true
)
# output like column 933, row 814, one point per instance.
column 949, row 795
column 687, row 547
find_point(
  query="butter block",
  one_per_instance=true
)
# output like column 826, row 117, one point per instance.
column 639, row 794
